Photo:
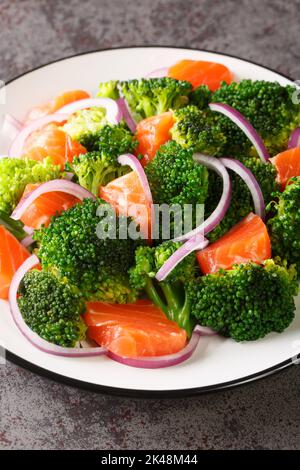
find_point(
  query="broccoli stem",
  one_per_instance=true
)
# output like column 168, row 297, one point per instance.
column 13, row 226
column 154, row 296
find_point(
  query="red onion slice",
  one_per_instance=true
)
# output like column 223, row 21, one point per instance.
column 245, row 126
column 34, row 338
column 127, row 114
column 218, row 214
column 135, row 165
column 27, row 241
column 14, row 122
column 9, row 131
column 158, row 362
column 198, row 242
column 113, row 111
column 250, row 180
column 158, row 73
column 62, row 186
column 16, row 148
column 294, row 139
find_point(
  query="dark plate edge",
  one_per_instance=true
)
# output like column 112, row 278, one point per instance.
column 130, row 392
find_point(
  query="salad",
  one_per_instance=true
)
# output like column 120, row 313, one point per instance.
column 163, row 209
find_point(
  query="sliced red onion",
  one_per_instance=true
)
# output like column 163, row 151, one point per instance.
column 250, row 180
column 34, row 338
column 16, row 148
column 62, row 186
column 27, row 241
column 158, row 73
column 68, row 176
column 158, row 362
column 197, row 242
column 9, row 131
column 113, row 111
column 206, row 330
column 294, row 139
column 245, row 126
column 123, row 105
column 218, row 214
column 14, row 122
column 135, row 165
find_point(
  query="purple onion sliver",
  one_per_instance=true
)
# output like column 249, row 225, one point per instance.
column 62, row 185
column 294, row 139
column 195, row 243
column 113, row 112
column 126, row 114
column 27, row 241
column 158, row 73
column 158, row 362
column 250, row 180
column 245, row 126
column 218, row 214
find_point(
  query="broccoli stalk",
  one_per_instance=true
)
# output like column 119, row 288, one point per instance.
column 52, row 308
column 15, row 227
column 170, row 295
column 247, row 302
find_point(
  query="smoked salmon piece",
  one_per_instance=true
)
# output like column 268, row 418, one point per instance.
column 200, row 72
column 61, row 100
column 133, row 330
column 12, row 256
column 246, row 241
column 127, row 196
column 287, row 164
column 151, row 133
column 53, row 142
column 44, row 207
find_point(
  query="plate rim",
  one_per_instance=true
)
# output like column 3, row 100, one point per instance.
column 138, row 393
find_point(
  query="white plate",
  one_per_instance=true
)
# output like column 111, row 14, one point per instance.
column 217, row 362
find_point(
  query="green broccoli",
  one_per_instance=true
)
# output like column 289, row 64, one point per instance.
column 15, row 227
column 100, row 165
column 201, row 97
column 85, row 121
column 52, row 308
column 285, row 224
column 109, row 90
column 247, row 302
column 241, row 199
column 147, row 97
column 267, row 105
column 171, row 294
column 84, row 245
column 15, row 174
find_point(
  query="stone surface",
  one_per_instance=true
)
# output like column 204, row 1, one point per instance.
column 36, row 413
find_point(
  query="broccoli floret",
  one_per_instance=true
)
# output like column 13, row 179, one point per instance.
column 199, row 130
column 241, row 199
column 109, row 90
column 84, row 245
column 15, row 174
column 201, row 97
column 171, row 294
column 147, row 97
column 285, row 224
column 267, row 105
column 247, row 302
column 85, row 121
column 52, row 308
column 175, row 178
column 100, row 165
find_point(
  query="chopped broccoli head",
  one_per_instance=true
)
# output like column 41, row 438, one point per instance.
column 241, row 199
column 15, row 174
column 51, row 308
column 267, row 105
column 99, row 166
column 175, row 178
column 148, row 97
column 171, row 294
column 285, row 224
column 201, row 97
column 85, row 121
column 85, row 246
column 200, row 130
column 109, row 90
column 247, row 302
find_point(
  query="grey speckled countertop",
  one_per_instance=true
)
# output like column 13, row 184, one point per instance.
column 36, row 413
